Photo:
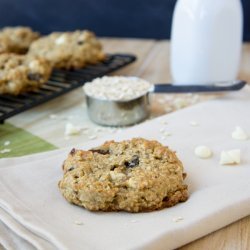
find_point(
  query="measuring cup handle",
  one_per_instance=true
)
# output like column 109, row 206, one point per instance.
column 213, row 87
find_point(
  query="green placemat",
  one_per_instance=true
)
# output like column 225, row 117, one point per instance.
column 17, row 142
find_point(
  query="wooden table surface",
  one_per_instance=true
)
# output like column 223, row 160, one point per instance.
column 153, row 65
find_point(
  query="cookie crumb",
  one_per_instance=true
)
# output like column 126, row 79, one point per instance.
column 177, row 219
column 230, row 157
column 203, row 152
column 239, row 134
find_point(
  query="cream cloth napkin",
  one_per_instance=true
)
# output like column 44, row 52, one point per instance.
column 219, row 195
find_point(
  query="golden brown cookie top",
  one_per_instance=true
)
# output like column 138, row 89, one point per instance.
column 16, row 39
column 19, row 73
column 134, row 175
column 69, row 49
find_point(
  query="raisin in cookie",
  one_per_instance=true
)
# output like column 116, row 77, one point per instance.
column 19, row 73
column 16, row 39
column 135, row 175
column 69, row 50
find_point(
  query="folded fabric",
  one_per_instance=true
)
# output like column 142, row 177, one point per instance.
column 219, row 195
column 14, row 236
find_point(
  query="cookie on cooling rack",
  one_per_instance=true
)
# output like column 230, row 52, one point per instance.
column 19, row 73
column 16, row 39
column 69, row 50
column 135, row 175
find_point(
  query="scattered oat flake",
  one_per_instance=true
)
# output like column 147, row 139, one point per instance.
column 166, row 133
column 193, row 123
column 79, row 223
column 98, row 129
column 112, row 131
column 116, row 88
column 86, row 131
column 177, row 219
column 6, row 143
column 134, row 221
column 162, row 130
column 53, row 116
column 5, row 150
column 92, row 137
column 71, row 129
column 164, row 122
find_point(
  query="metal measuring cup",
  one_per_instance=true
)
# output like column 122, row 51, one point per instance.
column 129, row 112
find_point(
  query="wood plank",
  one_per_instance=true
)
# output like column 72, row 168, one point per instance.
column 234, row 236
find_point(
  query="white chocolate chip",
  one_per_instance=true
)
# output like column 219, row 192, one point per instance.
column 203, row 152
column 230, row 157
column 239, row 134
column 71, row 129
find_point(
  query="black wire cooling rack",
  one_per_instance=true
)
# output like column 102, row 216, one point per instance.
column 60, row 82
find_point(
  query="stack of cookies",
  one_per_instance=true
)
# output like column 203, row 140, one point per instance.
column 27, row 60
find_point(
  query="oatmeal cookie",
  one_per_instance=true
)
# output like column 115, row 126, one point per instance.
column 135, row 175
column 16, row 39
column 19, row 73
column 69, row 50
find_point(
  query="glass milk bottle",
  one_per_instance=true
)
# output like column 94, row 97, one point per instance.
column 206, row 40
